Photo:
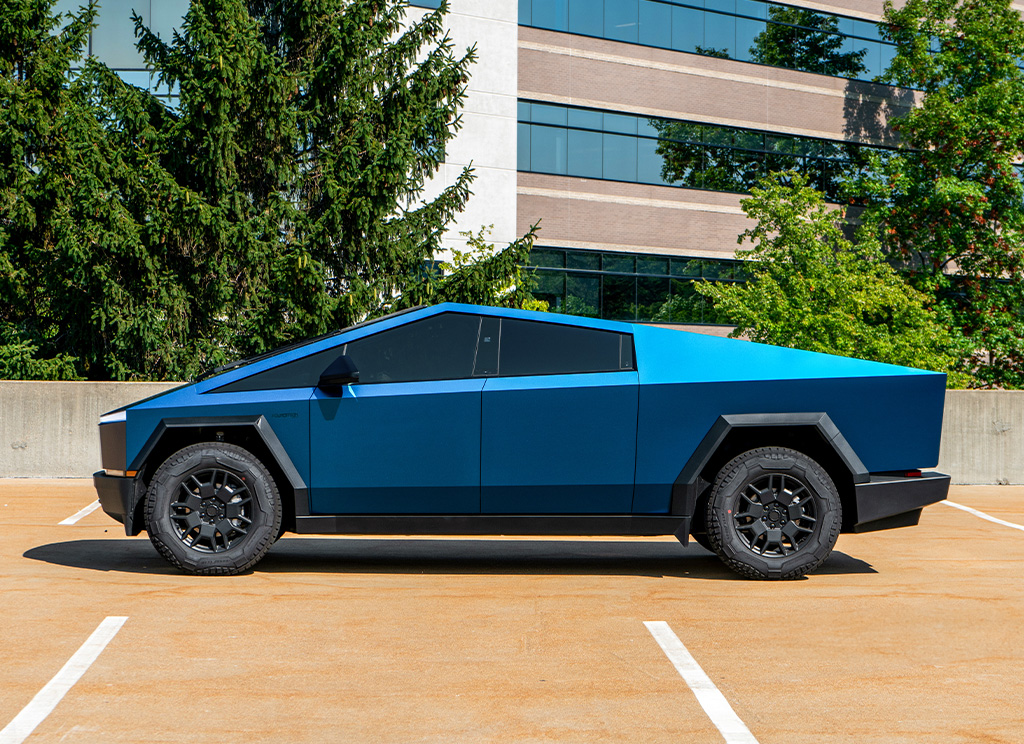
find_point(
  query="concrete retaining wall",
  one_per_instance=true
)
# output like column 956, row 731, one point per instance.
column 48, row 429
column 983, row 437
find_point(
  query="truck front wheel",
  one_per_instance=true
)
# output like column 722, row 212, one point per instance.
column 213, row 508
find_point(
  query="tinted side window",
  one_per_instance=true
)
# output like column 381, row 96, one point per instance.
column 533, row 348
column 438, row 348
column 300, row 373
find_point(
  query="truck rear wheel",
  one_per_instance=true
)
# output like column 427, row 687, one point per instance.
column 774, row 513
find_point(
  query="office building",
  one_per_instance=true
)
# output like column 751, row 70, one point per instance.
column 632, row 128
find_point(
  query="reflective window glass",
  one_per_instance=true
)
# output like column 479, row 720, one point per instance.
column 747, row 31
column 655, row 24
column 632, row 286
column 719, row 35
column 621, row 20
column 113, row 39
column 585, row 154
column 649, row 163
column 619, row 262
column 552, row 14
column 167, row 16
column 586, row 119
column 534, row 348
column 719, row 28
column 687, row 29
column 549, row 287
column 647, row 127
column 685, row 154
column 872, row 60
column 620, row 157
column 438, row 348
column 685, row 305
column 651, row 296
column 618, row 297
column 582, row 260
column 547, row 257
column 887, row 54
column 541, row 113
column 652, row 265
column 548, row 150
column 689, row 267
column 138, row 78
column 585, row 17
column 523, row 109
column 523, row 147
column 620, row 123
column 583, row 295
column 752, row 8
column 525, row 13
column 866, row 29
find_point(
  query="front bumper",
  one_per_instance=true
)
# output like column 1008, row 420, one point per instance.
column 888, row 501
column 120, row 496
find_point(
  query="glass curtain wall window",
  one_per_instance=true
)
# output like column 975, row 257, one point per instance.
column 587, row 143
column 113, row 40
column 746, row 30
column 628, row 286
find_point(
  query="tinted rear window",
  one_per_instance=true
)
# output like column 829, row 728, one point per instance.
column 534, row 348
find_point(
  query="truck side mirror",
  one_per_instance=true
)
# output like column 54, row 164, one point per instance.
column 342, row 371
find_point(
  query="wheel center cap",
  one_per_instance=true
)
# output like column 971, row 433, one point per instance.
column 776, row 516
column 212, row 510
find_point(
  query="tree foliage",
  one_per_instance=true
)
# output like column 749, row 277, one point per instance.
column 281, row 196
column 949, row 205
column 811, row 288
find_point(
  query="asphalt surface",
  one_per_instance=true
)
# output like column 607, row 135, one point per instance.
column 911, row 635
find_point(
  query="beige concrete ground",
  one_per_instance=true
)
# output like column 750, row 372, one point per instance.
column 911, row 635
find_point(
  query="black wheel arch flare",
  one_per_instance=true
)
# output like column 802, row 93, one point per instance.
column 173, row 433
column 732, row 433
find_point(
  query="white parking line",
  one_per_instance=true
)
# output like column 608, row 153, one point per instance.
column 81, row 513
column 711, row 700
column 983, row 515
column 47, row 698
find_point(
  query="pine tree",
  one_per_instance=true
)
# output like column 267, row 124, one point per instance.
column 280, row 196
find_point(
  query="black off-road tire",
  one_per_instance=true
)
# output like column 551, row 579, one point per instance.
column 774, row 513
column 213, row 509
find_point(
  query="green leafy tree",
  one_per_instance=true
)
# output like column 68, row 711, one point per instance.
column 804, row 40
column 949, row 206
column 281, row 196
column 810, row 288
column 481, row 274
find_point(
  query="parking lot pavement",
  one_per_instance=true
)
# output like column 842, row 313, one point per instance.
column 909, row 635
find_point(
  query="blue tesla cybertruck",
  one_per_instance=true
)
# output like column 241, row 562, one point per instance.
column 456, row 419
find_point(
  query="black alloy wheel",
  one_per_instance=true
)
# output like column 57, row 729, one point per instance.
column 776, row 516
column 213, row 508
column 773, row 513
